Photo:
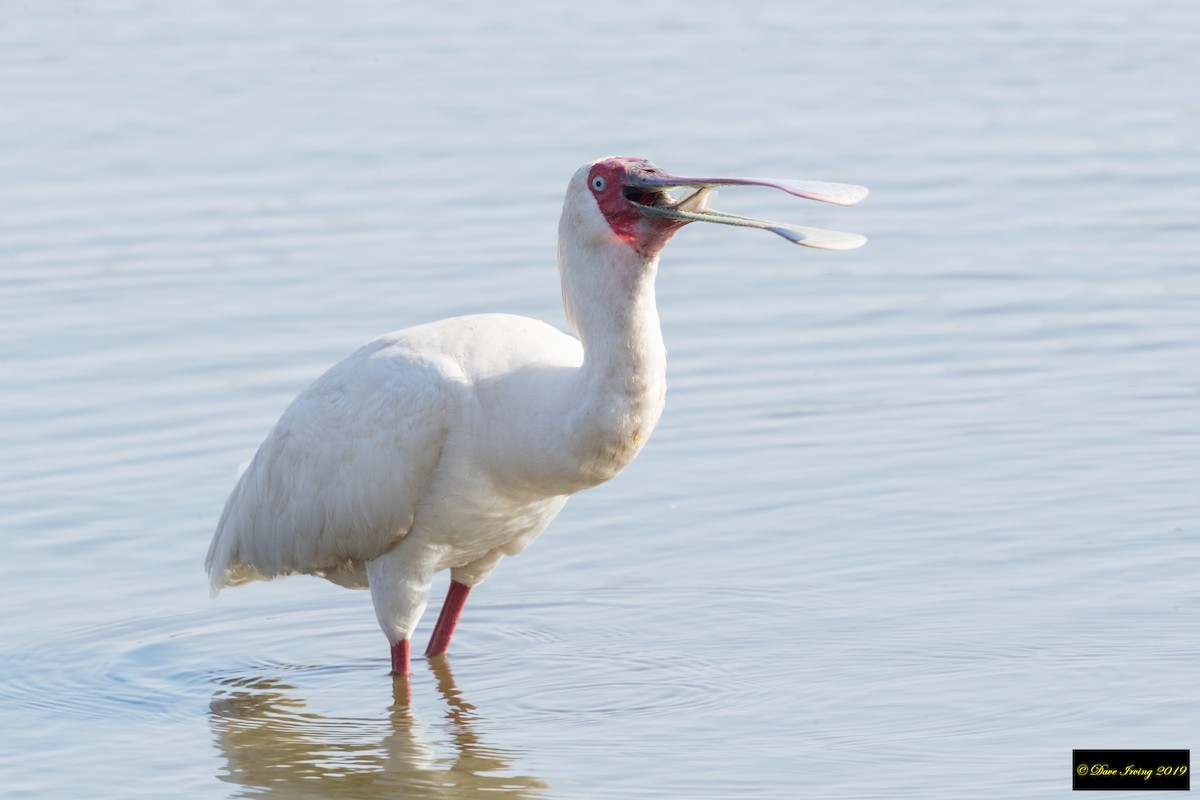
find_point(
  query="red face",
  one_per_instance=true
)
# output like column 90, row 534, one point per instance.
column 608, row 181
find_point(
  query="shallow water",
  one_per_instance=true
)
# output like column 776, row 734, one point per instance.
column 918, row 520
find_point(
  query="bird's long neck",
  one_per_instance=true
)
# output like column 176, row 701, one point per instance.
column 619, row 391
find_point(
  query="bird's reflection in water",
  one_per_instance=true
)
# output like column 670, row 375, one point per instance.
column 273, row 745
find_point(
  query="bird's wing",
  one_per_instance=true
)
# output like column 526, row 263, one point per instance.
column 337, row 480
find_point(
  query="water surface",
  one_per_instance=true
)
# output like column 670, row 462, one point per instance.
column 918, row 520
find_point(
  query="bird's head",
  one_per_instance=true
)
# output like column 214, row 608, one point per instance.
column 629, row 200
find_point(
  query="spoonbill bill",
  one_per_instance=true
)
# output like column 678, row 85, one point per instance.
column 452, row 444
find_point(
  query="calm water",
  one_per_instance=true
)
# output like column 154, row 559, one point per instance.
column 918, row 520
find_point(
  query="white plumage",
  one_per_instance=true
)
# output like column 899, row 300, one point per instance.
column 452, row 444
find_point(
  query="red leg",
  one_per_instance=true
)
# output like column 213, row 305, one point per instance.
column 456, row 598
column 400, row 658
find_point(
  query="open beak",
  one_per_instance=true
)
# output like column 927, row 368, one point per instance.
column 648, row 190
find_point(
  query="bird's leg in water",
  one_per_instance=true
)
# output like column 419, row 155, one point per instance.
column 399, row 581
column 400, row 658
column 456, row 598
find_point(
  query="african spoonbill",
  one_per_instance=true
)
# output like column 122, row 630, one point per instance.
column 452, row 444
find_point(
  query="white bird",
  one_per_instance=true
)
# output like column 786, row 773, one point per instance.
column 452, row 444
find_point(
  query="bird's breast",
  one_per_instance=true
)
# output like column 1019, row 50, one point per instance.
column 612, row 433
column 469, row 513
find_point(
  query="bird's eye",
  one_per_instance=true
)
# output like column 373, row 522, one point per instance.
column 598, row 184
